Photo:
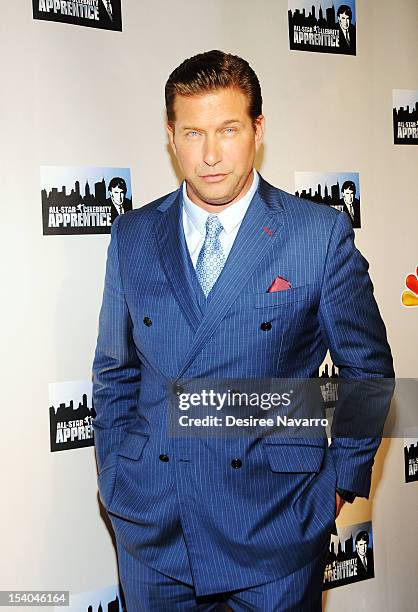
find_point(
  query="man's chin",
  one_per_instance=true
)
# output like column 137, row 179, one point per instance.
column 216, row 194
column 216, row 201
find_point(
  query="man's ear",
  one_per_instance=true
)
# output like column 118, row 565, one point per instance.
column 170, row 133
column 259, row 125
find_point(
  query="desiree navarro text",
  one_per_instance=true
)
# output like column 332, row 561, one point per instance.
column 231, row 421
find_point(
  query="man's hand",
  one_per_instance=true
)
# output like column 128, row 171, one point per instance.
column 339, row 503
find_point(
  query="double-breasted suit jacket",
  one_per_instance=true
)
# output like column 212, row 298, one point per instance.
column 228, row 512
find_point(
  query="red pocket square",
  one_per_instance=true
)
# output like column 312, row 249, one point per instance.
column 279, row 284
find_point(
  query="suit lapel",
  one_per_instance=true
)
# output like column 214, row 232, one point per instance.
column 174, row 258
column 257, row 232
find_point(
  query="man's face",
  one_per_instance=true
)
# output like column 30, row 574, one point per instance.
column 361, row 547
column 348, row 195
column 215, row 143
column 118, row 195
column 344, row 20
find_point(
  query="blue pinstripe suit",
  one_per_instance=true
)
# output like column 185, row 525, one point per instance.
column 177, row 504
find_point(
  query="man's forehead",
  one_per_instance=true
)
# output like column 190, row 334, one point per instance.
column 225, row 103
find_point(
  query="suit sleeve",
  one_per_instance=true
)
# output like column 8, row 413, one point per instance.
column 356, row 337
column 116, row 366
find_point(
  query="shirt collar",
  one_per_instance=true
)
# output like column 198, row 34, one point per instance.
column 230, row 217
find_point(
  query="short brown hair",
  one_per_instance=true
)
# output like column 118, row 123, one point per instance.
column 209, row 71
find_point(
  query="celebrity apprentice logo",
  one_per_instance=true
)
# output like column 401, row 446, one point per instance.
column 71, row 414
column 322, row 26
column 89, row 9
column 411, row 455
column 405, row 116
column 83, row 200
column 350, row 557
column 103, row 14
column 340, row 190
column 109, row 599
column 410, row 295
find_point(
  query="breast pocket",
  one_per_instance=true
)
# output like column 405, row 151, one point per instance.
column 280, row 298
column 288, row 320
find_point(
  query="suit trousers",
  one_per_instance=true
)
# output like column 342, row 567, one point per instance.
column 148, row 590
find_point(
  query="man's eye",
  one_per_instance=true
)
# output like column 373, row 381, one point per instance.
column 230, row 130
column 192, row 133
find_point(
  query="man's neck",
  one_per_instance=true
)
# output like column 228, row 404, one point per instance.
column 217, row 208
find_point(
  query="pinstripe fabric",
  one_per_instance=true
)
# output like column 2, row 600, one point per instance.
column 194, row 517
column 151, row 591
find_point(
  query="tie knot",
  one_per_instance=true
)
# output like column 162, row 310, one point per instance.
column 213, row 227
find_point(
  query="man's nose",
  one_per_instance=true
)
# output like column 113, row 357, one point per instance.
column 212, row 151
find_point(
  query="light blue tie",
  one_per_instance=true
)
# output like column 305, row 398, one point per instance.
column 211, row 258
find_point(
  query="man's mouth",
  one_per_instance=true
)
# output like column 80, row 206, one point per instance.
column 213, row 178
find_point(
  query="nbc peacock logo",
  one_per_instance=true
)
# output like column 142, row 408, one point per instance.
column 410, row 295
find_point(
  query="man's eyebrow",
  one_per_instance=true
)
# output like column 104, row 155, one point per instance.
column 226, row 122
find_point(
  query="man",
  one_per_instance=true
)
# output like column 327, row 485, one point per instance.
column 350, row 204
column 110, row 14
column 108, row 7
column 365, row 563
column 117, row 199
column 347, row 31
column 227, row 277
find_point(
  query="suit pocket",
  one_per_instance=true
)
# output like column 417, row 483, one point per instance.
column 294, row 458
column 131, row 448
column 306, row 471
column 314, row 503
column 294, row 470
column 285, row 296
column 133, row 444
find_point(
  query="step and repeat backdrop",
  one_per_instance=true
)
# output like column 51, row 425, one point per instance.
column 83, row 141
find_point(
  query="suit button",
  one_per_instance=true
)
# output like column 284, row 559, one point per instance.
column 236, row 463
column 177, row 389
column 147, row 321
column 266, row 326
column 164, row 458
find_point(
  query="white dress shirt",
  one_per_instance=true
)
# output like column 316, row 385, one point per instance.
column 194, row 220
